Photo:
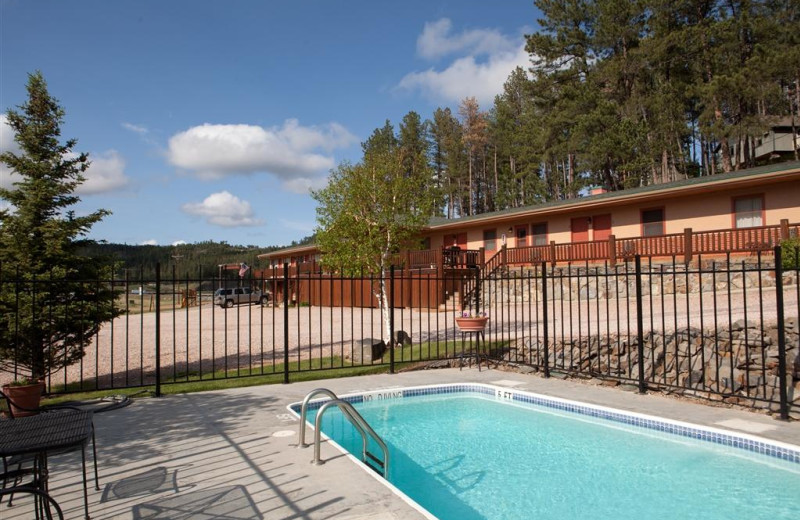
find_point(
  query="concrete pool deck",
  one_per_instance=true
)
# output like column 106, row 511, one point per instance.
column 233, row 453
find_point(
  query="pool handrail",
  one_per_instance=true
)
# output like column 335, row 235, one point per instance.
column 360, row 424
column 301, row 441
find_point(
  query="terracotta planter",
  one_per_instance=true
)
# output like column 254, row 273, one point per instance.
column 472, row 324
column 27, row 397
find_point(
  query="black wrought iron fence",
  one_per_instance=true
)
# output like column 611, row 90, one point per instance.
column 722, row 328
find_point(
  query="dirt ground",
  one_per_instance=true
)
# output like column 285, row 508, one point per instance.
column 211, row 338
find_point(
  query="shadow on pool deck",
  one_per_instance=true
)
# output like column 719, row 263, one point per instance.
column 234, row 454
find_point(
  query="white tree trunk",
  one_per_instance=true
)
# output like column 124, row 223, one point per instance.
column 383, row 296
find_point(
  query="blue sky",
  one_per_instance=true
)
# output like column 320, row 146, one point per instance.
column 212, row 120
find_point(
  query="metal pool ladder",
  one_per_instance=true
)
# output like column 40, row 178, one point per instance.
column 366, row 431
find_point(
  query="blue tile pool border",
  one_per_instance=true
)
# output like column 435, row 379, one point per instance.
column 725, row 438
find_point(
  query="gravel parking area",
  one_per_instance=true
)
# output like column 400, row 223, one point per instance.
column 211, row 338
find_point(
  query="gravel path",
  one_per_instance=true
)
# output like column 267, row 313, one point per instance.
column 210, row 338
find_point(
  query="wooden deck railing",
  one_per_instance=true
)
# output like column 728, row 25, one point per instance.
column 421, row 259
column 686, row 245
column 737, row 240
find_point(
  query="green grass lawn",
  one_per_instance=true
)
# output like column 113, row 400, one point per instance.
column 305, row 370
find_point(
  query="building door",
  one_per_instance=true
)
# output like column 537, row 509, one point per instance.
column 580, row 229
column 601, row 224
column 521, row 234
column 459, row 240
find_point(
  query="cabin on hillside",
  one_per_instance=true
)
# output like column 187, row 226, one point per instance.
column 734, row 212
column 745, row 212
column 778, row 143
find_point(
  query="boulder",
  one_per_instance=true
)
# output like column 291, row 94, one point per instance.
column 368, row 351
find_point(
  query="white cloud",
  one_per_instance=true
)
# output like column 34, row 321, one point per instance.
column 291, row 152
column 7, row 144
column 179, row 243
column 151, row 242
column 105, row 173
column 466, row 77
column 437, row 41
column 138, row 129
column 303, row 185
column 223, row 209
column 484, row 59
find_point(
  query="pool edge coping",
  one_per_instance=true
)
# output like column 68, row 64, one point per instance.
column 752, row 443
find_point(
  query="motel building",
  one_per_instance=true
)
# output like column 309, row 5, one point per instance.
column 746, row 212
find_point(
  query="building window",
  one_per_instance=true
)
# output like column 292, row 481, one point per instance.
column 522, row 236
column 539, row 233
column 490, row 239
column 748, row 211
column 653, row 222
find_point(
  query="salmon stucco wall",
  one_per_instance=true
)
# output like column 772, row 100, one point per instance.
column 705, row 211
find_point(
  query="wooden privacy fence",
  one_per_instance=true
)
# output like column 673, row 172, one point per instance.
column 412, row 289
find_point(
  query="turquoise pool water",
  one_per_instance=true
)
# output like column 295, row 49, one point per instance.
column 469, row 456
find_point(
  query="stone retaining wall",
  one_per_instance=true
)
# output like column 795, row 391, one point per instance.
column 524, row 285
column 738, row 365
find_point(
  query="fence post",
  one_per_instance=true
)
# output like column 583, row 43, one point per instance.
column 478, row 288
column 17, row 293
column 546, row 320
column 784, row 229
column 391, row 319
column 612, row 250
column 503, row 258
column 481, row 257
column 640, row 324
column 781, row 333
column 687, row 246
column 158, row 329
column 553, row 252
column 286, row 323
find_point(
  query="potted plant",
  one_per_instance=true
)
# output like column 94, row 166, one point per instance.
column 468, row 321
column 25, row 395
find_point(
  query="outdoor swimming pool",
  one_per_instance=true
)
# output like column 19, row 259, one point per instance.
column 477, row 451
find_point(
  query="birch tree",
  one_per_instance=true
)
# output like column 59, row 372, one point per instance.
column 370, row 211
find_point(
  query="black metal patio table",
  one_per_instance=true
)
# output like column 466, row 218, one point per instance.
column 45, row 433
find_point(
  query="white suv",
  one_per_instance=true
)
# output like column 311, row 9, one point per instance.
column 231, row 297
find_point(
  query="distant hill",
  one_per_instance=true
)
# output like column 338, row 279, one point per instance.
column 186, row 259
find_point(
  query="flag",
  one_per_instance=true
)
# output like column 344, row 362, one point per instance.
column 243, row 267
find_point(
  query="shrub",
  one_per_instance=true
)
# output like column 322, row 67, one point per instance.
column 791, row 253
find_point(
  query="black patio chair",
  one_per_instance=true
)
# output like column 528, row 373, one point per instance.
column 17, row 468
column 44, row 505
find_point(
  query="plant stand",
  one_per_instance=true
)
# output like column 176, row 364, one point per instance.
column 474, row 328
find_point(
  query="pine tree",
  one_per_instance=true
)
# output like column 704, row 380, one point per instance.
column 475, row 137
column 449, row 160
column 50, row 314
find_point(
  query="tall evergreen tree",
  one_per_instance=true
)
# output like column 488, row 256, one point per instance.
column 51, row 314
column 449, row 159
column 475, row 125
column 515, row 136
